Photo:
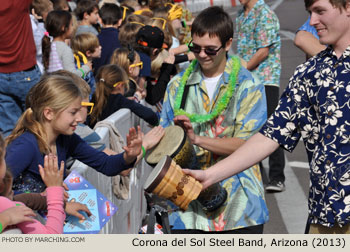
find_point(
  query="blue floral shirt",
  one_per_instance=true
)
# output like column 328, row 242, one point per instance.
column 259, row 29
column 244, row 115
column 316, row 107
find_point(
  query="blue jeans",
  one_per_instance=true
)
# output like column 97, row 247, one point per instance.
column 13, row 90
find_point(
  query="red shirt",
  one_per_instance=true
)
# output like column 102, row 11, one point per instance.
column 17, row 48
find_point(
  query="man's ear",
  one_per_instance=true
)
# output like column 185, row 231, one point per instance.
column 228, row 45
column 85, row 16
column 48, row 113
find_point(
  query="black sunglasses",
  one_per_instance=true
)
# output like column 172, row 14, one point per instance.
column 208, row 51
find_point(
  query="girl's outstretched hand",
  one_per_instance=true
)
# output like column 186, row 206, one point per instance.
column 133, row 145
column 51, row 175
column 153, row 137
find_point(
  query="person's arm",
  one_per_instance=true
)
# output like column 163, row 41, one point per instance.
column 24, row 148
column 265, row 35
column 140, row 110
column 219, row 146
column 308, row 43
column 100, row 161
column 155, row 93
column 258, row 57
column 35, row 201
column 251, row 115
column 251, row 152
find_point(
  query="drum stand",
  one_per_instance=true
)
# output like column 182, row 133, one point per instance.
column 156, row 214
column 158, row 211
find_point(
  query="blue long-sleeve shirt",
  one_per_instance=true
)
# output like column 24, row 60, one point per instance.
column 23, row 157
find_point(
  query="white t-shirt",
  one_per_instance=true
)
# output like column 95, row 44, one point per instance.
column 210, row 84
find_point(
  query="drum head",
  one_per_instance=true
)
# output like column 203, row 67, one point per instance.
column 157, row 174
column 172, row 140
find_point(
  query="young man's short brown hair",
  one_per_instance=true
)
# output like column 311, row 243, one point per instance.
column 336, row 3
column 214, row 21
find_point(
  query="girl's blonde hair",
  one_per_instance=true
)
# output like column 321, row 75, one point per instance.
column 85, row 42
column 124, row 57
column 80, row 82
column 53, row 91
column 106, row 77
column 156, row 64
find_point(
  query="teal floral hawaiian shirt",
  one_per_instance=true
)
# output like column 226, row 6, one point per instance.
column 260, row 28
column 244, row 115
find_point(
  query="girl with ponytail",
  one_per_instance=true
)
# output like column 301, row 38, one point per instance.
column 47, row 127
column 112, row 83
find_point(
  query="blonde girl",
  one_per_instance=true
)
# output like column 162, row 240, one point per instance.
column 129, row 60
column 57, row 54
column 48, row 127
column 111, row 83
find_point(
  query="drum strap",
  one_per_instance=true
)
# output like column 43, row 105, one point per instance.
column 184, row 97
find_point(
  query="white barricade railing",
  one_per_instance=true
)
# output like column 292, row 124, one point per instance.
column 128, row 218
column 199, row 5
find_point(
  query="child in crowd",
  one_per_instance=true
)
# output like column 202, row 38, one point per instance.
column 111, row 17
column 39, row 11
column 148, row 43
column 48, row 127
column 53, row 179
column 162, row 70
column 57, row 54
column 60, row 5
column 86, row 47
column 109, row 96
column 129, row 60
column 87, row 14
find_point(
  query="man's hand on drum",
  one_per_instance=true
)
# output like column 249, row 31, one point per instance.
column 133, row 145
column 185, row 123
column 199, row 175
column 153, row 137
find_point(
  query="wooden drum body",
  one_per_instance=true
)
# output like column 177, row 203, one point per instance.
column 177, row 146
column 167, row 180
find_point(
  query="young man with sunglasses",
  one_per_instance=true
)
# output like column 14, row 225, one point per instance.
column 259, row 44
column 315, row 108
column 219, row 104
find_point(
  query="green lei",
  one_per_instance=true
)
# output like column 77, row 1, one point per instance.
column 220, row 105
